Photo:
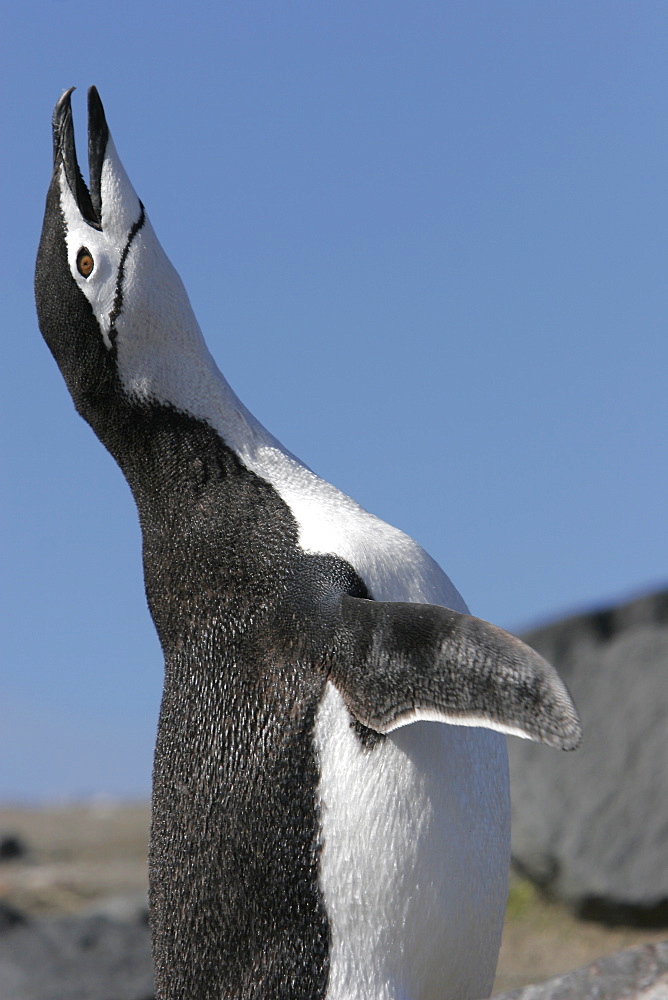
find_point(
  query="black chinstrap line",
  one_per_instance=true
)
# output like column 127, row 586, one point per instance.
column 118, row 296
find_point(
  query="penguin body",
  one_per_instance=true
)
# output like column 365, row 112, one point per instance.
column 314, row 833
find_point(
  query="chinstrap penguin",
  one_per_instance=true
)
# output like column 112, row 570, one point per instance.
column 314, row 833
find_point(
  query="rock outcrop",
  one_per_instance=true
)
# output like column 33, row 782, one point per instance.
column 634, row 974
column 592, row 826
column 93, row 957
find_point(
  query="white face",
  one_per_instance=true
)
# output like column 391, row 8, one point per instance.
column 140, row 304
column 137, row 297
column 121, row 210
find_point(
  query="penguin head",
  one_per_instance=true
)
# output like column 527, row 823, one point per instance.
column 110, row 304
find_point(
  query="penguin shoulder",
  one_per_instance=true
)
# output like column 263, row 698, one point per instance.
column 393, row 566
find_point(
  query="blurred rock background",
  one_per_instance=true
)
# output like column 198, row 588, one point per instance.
column 592, row 827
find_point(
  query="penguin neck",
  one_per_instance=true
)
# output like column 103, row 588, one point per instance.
column 200, row 390
column 162, row 357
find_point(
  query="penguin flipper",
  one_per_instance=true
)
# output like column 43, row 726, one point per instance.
column 404, row 663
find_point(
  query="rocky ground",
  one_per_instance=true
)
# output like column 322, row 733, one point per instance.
column 91, row 861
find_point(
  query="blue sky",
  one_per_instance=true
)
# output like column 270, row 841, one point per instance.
column 426, row 243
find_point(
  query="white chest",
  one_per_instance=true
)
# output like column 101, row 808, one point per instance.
column 414, row 858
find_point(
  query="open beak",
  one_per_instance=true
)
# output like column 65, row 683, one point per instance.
column 88, row 201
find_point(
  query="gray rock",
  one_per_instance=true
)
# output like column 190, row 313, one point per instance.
column 10, row 916
column 634, row 974
column 131, row 907
column 12, row 846
column 76, row 958
column 592, row 826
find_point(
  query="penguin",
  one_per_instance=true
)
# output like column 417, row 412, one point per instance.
column 330, row 811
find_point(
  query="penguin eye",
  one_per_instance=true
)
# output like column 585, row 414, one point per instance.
column 85, row 262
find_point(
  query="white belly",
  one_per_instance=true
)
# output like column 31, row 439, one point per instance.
column 416, row 843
